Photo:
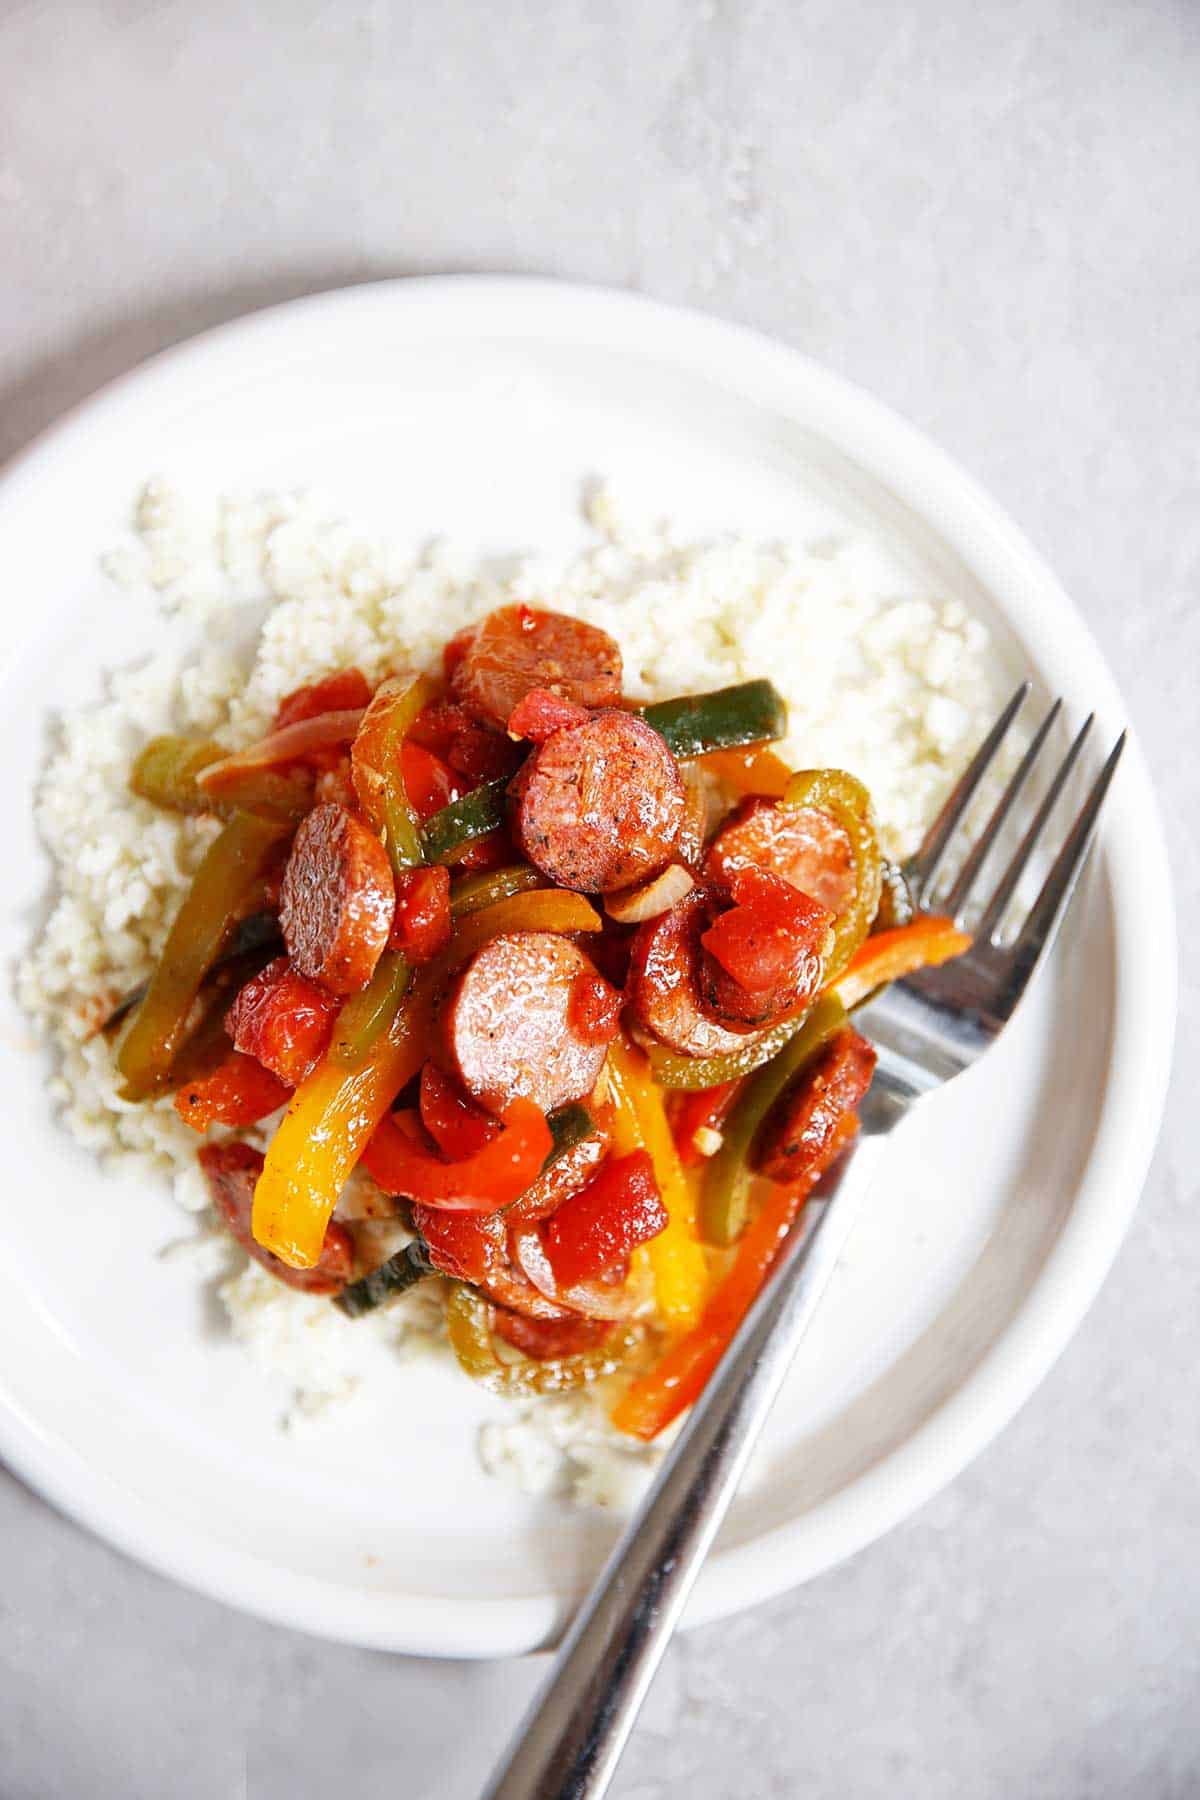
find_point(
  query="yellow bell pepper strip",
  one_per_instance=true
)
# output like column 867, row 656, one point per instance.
column 890, row 955
column 845, row 798
column 474, row 891
column 676, row 1256
column 468, row 1323
column 377, row 769
column 167, row 770
column 727, row 1176
column 233, row 862
column 496, row 1175
column 757, row 772
column 653, row 1400
column 331, row 1118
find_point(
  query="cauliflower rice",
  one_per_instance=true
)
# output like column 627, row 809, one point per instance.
column 894, row 686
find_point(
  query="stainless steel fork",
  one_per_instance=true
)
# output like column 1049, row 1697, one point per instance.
column 927, row 1029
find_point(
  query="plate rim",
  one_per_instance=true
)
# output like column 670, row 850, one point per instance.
column 942, row 494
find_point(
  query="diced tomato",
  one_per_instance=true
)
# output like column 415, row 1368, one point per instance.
column 767, row 932
column 421, row 924
column 429, row 782
column 239, row 1091
column 705, row 1109
column 344, row 691
column 619, row 1209
column 465, row 1246
column 469, row 748
column 595, row 1008
column 542, row 712
column 283, row 1020
column 457, row 1126
column 547, row 1340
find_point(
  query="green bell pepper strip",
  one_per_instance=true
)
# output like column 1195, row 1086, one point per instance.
column 395, row 1276
column 472, row 892
column 448, row 833
column 753, row 712
column 366, row 1016
column 727, row 1176
column 233, row 862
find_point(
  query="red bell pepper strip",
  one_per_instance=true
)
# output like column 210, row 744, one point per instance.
column 596, row 1228
column 704, row 1110
column 239, row 1091
column 651, row 1402
column 492, row 1178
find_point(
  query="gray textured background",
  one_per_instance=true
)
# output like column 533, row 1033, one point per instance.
column 991, row 217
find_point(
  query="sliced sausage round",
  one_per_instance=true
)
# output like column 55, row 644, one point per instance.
column 800, row 1129
column 509, row 1023
column 663, row 988
column 599, row 806
column 232, row 1172
column 803, row 844
column 517, row 648
column 337, row 900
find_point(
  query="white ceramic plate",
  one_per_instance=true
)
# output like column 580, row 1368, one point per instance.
column 475, row 407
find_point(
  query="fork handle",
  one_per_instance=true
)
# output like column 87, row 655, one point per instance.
column 568, row 1745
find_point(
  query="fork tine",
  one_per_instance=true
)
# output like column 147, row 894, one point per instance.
column 968, row 875
column 923, row 867
column 1037, row 933
column 1006, row 887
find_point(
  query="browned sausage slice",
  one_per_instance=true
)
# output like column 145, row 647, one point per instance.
column 663, row 987
column 802, row 844
column 231, row 1171
column 509, row 1023
column 337, row 900
column 517, row 648
column 599, row 806
column 800, row 1129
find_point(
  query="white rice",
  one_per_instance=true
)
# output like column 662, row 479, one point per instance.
column 894, row 686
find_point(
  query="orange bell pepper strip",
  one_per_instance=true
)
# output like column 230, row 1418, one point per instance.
column 749, row 771
column 889, row 955
column 493, row 1177
column 676, row 1256
column 653, row 1400
column 333, row 1114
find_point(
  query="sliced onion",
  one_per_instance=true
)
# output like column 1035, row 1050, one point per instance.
column 594, row 1299
column 658, row 896
column 283, row 746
